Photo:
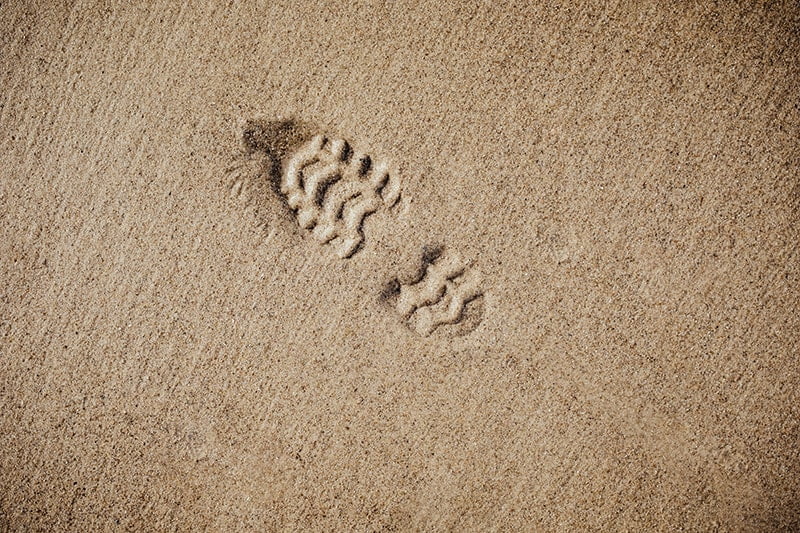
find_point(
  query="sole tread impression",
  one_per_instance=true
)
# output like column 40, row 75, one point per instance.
column 329, row 189
column 333, row 189
column 441, row 296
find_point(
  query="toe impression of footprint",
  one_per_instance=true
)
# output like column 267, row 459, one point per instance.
column 331, row 188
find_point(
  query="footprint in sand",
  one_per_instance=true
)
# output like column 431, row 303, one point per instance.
column 445, row 292
column 331, row 188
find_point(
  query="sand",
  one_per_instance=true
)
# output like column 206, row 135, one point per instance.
column 554, row 286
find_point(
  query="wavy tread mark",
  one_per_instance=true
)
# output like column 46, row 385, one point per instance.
column 441, row 296
column 333, row 190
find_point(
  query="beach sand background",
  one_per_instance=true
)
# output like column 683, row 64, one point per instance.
column 624, row 176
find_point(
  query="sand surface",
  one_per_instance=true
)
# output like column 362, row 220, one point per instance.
column 567, row 298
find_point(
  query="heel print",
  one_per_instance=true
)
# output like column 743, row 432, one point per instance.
column 440, row 296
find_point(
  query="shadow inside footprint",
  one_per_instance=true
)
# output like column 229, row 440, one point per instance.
column 275, row 139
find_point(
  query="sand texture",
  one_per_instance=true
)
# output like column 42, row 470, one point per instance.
column 399, row 266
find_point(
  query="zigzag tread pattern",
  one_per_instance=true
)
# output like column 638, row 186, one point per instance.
column 441, row 296
column 333, row 189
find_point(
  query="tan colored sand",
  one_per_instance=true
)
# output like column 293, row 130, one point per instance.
column 624, row 177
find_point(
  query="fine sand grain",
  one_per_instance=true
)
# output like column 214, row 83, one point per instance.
column 467, row 266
